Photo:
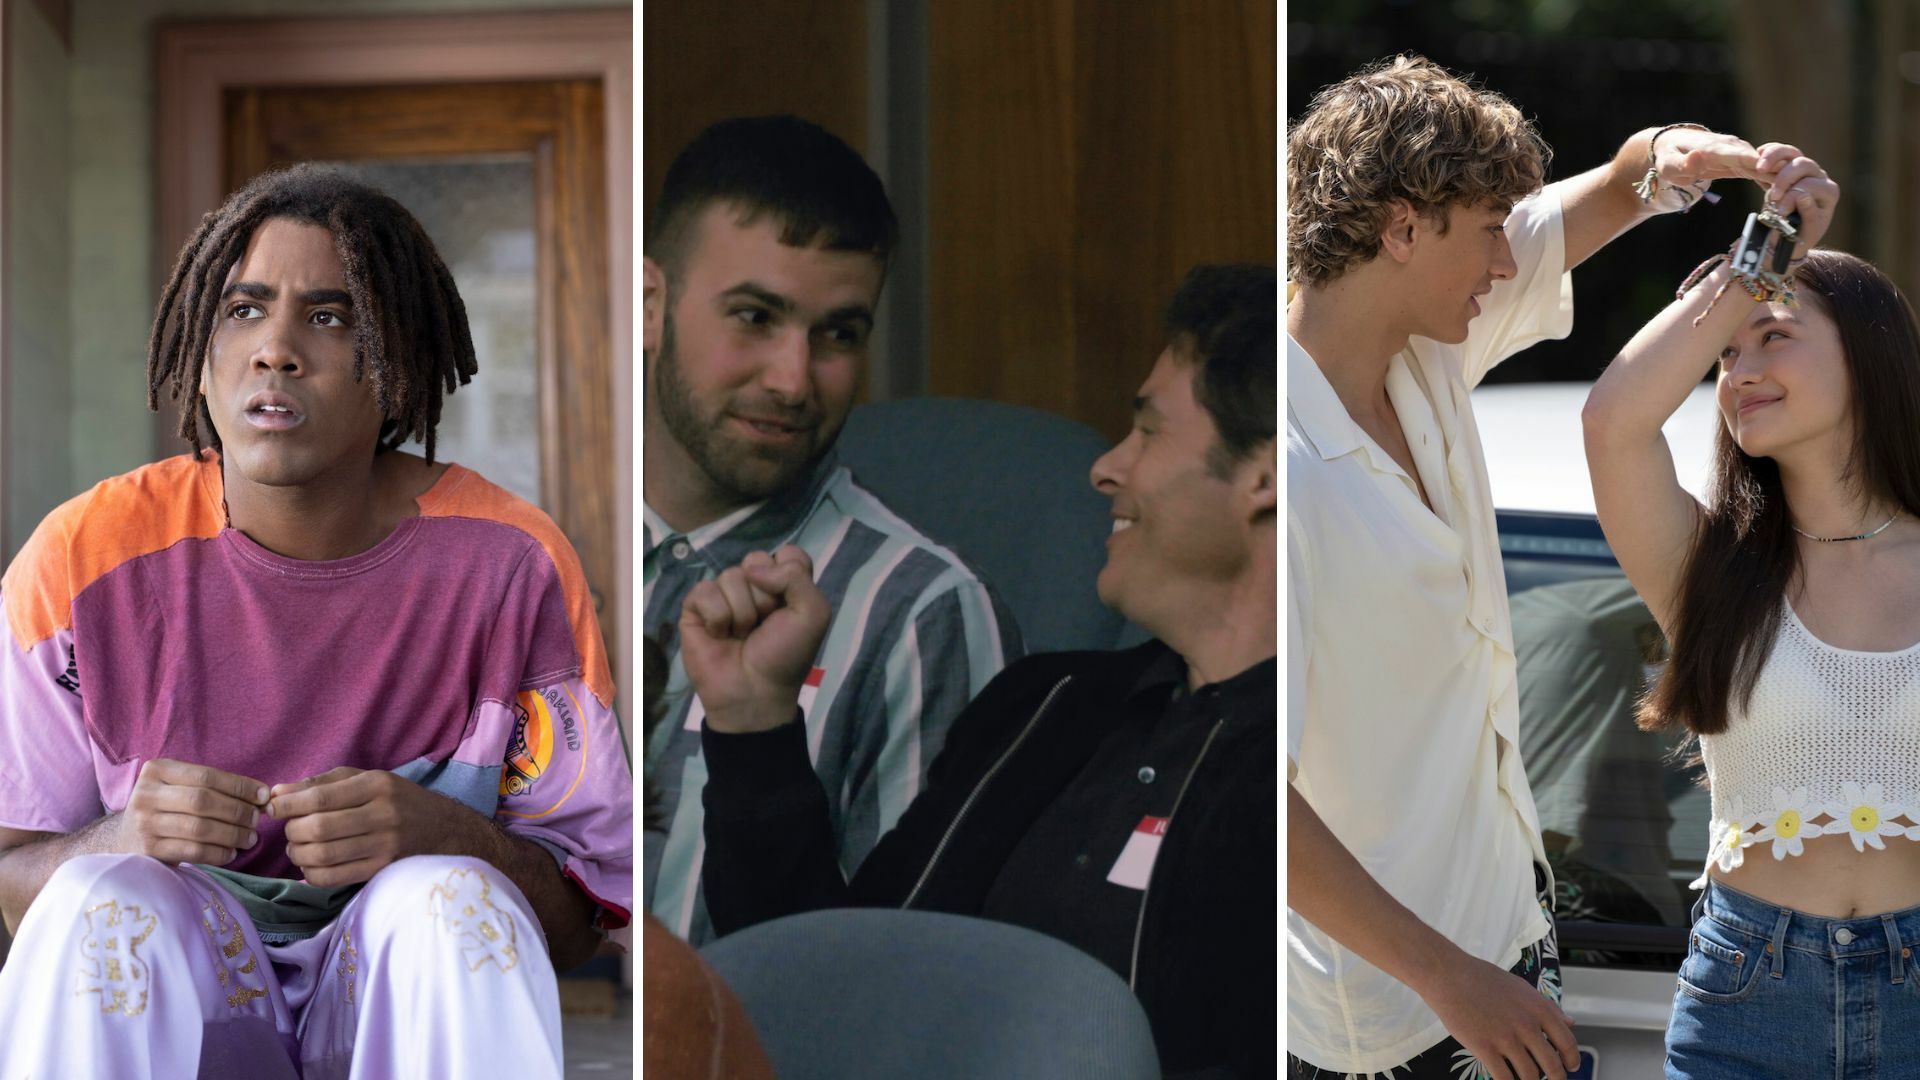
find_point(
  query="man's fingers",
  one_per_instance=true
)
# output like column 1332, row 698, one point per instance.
column 1563, row 1040
column 332, row 853
column 739, row 595
column 352, row 873
column 336, row 825
column 183, row 851
column 337, row 794
column 338, row 772
column 793, row 554
column 1546, row 1059
column 706, row 609
column 200, row 830
column 1499, row 1068
column 789, row 581
column 186, row 774
column 196, row 802
column 1717, row 157
column 793, row 583
column 764, row 603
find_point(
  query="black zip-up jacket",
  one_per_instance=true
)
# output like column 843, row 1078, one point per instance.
column 1206, row 969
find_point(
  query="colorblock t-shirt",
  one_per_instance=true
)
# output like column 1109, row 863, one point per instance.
column 460, row 652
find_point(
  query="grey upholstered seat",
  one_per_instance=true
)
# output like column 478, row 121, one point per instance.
column 1007, row 488
column 859, row 993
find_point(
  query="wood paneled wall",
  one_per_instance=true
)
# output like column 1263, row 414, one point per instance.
column 1084, row 155
column 705, row 62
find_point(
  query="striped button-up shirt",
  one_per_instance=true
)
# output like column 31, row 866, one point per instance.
column 915, row 635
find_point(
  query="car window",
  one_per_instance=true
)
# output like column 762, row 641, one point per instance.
column 1624, row 818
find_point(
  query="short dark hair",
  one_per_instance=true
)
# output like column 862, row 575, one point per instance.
column 410, row 334
column 1224, row 317
column 814, row 185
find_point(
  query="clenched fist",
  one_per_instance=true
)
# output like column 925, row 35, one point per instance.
column 749, row 636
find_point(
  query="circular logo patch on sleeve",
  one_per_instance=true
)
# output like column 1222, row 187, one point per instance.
column 530, row 749
column 546, row 755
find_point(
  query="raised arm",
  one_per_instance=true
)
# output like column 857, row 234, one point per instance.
column 1648, row 518
column 1604, row 202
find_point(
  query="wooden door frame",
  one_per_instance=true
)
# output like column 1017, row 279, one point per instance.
column 196, row 62
column 6, row 234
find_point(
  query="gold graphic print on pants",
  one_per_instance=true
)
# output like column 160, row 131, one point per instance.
column 109, row 964
column 461, row 903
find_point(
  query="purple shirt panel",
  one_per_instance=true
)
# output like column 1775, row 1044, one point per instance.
column 564, row 784
column 222, row 653
column 47, row 781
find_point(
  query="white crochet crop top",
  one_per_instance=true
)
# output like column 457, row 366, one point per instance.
column 1829, row 746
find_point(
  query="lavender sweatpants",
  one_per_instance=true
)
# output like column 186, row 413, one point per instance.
column 128, row 967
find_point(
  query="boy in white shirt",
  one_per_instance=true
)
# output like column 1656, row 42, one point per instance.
column 1422, row 250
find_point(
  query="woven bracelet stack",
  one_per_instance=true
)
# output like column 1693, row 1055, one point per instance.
column 1763, row 285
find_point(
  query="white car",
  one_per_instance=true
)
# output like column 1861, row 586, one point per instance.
column 1626, row 826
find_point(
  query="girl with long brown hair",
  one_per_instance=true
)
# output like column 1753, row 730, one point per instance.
column 1791, row 600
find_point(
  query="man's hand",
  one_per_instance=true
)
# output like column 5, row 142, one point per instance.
column 180, row 812
column 749, row 637
column 1503, row 1021
column 347, row 824
column 1600, row 204
column 1690, row 159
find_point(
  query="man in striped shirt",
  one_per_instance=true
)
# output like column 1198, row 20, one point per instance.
column 764, row 261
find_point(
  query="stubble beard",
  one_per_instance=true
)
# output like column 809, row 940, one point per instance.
column 741, row 473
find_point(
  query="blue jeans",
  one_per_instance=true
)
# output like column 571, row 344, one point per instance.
column 1766, row 991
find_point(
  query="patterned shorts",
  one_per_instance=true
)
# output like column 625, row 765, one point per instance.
column 1448, row 1060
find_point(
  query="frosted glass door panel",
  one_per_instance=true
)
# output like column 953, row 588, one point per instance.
column 480, row 214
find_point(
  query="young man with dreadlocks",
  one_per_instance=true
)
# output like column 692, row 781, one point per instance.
column 307, row 760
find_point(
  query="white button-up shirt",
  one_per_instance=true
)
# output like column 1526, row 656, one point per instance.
column 1402, row 708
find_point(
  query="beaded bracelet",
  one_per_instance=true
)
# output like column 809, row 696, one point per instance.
column 1699, row 274
column 1763, row 287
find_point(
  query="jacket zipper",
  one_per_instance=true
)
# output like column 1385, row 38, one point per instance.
column 1133, row 964
column 977, row 788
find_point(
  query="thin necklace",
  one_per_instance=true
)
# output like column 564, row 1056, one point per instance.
column 1844, row 539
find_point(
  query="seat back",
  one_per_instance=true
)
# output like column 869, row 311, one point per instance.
column 1006, row 487
column 859, row 993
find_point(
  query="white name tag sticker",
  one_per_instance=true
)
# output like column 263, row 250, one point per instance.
column 809, row 690
column 1135, row 863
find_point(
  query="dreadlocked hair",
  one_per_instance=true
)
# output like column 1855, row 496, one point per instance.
column 410, row 334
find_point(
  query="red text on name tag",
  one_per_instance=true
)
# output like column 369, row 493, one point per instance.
column 1135, row 864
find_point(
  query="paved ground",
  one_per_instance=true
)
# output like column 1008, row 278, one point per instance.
column 597, row 1028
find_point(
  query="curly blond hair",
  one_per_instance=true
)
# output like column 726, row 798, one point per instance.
column 1404, row 128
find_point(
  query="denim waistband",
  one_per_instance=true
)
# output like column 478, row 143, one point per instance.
column 1894, row 932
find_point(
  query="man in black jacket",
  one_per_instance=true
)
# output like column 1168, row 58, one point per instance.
column 1062, row 781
